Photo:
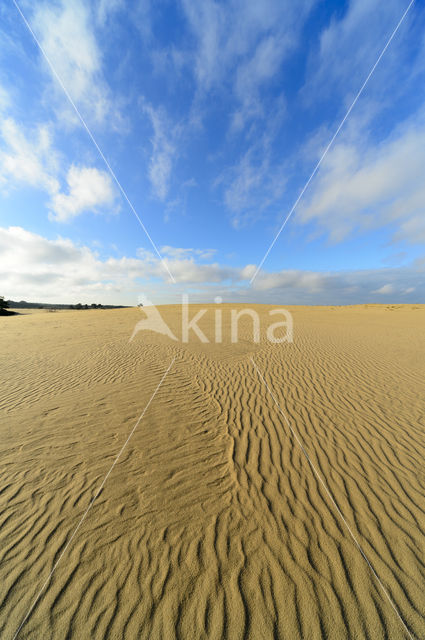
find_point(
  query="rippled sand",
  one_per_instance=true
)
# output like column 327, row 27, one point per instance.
column 213, row 523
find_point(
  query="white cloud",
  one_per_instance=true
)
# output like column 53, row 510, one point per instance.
column 252, row 186
column 164, row 150
column 342, row 287
column 220, row 46
column 258, row 179
column 88, row 189
column 350, row 45
column 106, row 9
column 27, row 159
column 177, row 252
column 370, row 178
column 183, row 264
column 253, row 73
column 188, row 271
column 244, row 57
column 36, row 268
column 62, row 28
column 363, row 185
column 4, row 99
column 386, row 289
column 39, row 269
column 309, row 281
column 66, row 33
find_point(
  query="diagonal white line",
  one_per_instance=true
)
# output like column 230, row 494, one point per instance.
column 83, row 122
column 331, row 142
column 91, row 503
column 331, row 498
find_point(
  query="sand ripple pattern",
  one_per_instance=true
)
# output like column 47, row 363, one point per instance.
column 213, row 525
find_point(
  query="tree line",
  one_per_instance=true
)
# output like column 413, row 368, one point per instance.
column 86, row 306
column 5, row 306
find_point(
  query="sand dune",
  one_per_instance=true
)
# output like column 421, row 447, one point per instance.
column 212, row 524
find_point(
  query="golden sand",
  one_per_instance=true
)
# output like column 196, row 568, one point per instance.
column 213, row 524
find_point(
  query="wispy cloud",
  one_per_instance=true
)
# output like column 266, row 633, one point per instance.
column 5, row 100
column 66, row 33
column 27, row 158
column 253, row 185
column 363, row 185
column 164, row 150
column 177, row 252
column 242, row 59
column 106, row 9
column 349, row 46
column 251, row 74
column 258, row 178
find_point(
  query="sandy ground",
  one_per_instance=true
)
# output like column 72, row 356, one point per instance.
column 213, row 524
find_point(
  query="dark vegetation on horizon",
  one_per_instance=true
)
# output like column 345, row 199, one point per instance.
column 5, row 305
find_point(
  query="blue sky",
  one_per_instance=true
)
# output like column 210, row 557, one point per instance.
column 212, row 115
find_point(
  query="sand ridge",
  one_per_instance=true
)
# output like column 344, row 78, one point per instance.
column 212, row 524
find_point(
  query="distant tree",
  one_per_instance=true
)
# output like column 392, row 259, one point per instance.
column 86, row 306
column 71, row 306
column 3, row 304
column 4, row 307
column 79, row 305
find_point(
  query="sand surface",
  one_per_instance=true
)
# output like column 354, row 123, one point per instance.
column 213, row 524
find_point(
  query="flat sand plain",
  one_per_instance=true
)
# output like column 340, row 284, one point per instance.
column 213, row 524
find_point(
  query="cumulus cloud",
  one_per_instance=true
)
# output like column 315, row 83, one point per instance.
column 33, row 266
column 291, row 278
column 36, row 268
column 407, row 284
column 88, row 189
column 30, row 158
column 182, row 263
